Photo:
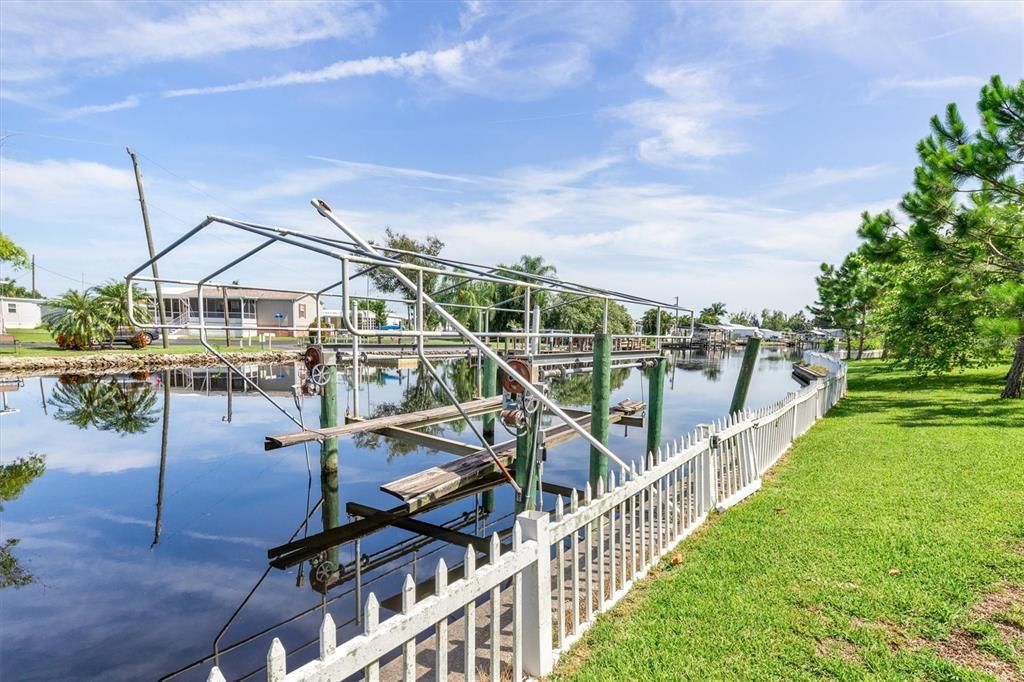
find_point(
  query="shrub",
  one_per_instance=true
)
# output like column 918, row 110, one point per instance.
column 140, row 340
column 326, row 328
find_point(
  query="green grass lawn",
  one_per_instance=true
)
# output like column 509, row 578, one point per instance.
column 889, row 544
column 37, row 335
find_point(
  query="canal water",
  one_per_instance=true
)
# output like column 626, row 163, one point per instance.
column 122, row 558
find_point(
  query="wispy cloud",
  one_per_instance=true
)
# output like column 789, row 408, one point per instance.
column 864, row 33
column 444, row 64
column 798, row 183
column 129, row 102
column 688, row 119
column 41, row 40
column 934, row 83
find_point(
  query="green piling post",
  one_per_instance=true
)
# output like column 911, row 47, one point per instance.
column 329, row 415
column 656, row 386
column 330, row 510
column 739, row 395
column 521, row 470
column 490, row 388
column 599, row 397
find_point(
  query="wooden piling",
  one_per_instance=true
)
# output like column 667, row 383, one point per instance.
column 656, row 386
column 739, row 395
column 599, row 398
column 330, row 510
column 525, row 478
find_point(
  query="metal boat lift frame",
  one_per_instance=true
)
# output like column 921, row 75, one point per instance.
column 356, row 251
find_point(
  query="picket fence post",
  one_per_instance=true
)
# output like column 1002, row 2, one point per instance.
column 538, row 660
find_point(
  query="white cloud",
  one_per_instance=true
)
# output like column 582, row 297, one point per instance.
column 51, row 39
column 443, row 64
column 129, row 102
column 797, row 183
column 688, row 119
column 653, row 239
column 934, row 83
column 503, row 51
column 863, row 33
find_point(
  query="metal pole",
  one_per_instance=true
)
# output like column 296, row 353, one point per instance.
column 599, row 399
column 34, row 291
column 149, row 244
column 535, row 343
column 165, row 427
column 355, row 362
column 490, row 388
column 526, row 320
column 739, row 395
column 656, row 386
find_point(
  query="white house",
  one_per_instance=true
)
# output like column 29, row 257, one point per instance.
column 250, row 311
column 20, row 313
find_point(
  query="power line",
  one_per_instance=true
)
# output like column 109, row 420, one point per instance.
column 76, row 280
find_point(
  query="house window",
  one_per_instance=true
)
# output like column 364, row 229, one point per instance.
column 173, row 308
column 12, row 307
column 213, row 306
column 249, row 309
column 302, row 311
column 235, row 308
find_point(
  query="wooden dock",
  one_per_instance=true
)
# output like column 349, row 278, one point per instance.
column 424, row 487
column 411, row 420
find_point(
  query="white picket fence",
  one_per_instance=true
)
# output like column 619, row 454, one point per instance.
column 567, row 567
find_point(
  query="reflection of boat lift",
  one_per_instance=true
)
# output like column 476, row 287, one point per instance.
column 9, row 386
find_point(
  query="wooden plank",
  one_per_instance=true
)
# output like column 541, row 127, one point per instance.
column 427, row 486
column 297, row 551
column 431, row 530
column 435, row 415
column 557, row 489
column 439, row 443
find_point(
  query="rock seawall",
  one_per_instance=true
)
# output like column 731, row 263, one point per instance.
column 101, row 363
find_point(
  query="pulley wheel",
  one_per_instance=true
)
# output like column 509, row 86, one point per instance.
column 514, row 384
column 318, row 375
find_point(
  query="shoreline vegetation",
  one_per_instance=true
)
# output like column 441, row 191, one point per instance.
column 888, row 543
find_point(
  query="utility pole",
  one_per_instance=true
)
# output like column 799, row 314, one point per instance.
column 227, row 322
column 34, row 291
column 152, row 250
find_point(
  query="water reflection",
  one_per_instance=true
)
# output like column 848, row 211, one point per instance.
column 123, row 404
column 215, row 501
column 14, row 477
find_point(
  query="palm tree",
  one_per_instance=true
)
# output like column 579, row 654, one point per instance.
column 713, row 314
column 79, row 319
column 113, row 296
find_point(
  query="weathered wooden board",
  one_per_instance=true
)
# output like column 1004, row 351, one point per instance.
column 424, row 487
column 409, row 420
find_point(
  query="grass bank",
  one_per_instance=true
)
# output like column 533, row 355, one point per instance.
column 889, row 544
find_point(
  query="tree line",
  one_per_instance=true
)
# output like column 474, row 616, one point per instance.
column 941, row 280
column 464, row 296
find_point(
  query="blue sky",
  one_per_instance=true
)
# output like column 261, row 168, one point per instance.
column 711, row 151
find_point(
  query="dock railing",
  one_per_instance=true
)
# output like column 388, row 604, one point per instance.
column 566, row 567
